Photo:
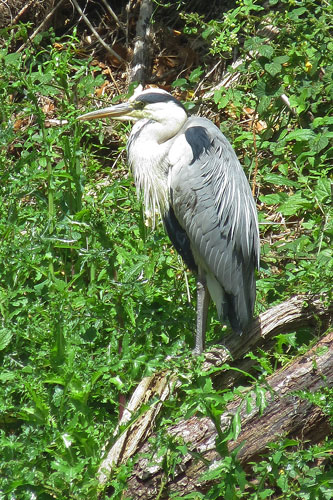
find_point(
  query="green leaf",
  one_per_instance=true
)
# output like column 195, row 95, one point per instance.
column 6, row 376
column 195, row 75
column 260, row 89
column 255, row 43
column 128, row 307
column 116, row 381
column 236, row 425
column 60, row 285
column 285, row 339
column 319, row 142
column 294, row 204
column 181, row 82
column 266, row 50
column 320, row 121
column 281, row 59
column 295, row 13
column 223, row 101
column 282, row 482
column 13, row 59
column 267, row 492
column 5, row 337
column 302, row 134
column 323, row 189
column 264, row 104
column 208, row 32
column 261, row 402
column 273, row 68
column 280, row 180
column 240, row 476
column 276, row 457
column 273, row 199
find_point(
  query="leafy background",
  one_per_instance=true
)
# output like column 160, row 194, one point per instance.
column 92, row 300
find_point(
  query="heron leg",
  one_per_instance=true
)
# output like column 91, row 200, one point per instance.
column 203, row 298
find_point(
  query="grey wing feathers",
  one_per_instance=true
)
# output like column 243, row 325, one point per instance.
column 212, row 201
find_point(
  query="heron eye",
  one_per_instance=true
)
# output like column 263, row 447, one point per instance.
column 139, row 104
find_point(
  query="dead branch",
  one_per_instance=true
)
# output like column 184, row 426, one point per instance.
column 37, row 30
column 161, row 385
column 287, row 415
column 101, row 41
column 113, row 15
column 298, row 311
column 22, row 11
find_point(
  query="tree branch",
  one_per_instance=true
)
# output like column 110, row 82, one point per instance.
column 47, row 17
column 101, row 41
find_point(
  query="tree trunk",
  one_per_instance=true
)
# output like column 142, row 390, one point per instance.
column 141, row 62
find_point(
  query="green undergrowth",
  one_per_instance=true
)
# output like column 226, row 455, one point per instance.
column 92, row 300
column 285, row 57
column 85, row 296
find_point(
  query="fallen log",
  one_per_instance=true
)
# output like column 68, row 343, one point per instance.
column 287, row 415
column 290, row 315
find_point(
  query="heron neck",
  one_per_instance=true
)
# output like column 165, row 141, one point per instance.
column 148, row 147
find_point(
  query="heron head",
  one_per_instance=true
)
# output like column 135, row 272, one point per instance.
column 152, row 104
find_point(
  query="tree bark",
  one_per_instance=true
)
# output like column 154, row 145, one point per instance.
column 140, row 65
column 285, row 414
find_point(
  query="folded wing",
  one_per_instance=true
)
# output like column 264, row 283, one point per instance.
column 212, row 202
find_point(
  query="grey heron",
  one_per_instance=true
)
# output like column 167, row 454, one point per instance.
column 188, row 172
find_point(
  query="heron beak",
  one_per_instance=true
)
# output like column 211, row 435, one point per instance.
column 119, row 111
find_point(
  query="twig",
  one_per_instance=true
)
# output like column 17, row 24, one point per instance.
column 21, row 12
column 110, row 11
column 50, row 14
column 101, row 41
column 286, row 101
column 228, row 79
column 53, row 122
column 207, row 75
column 113, row 79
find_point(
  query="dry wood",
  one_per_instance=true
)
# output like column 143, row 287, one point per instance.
column 290, row 315
column 160, row 385
column 298, row 311
column 22, row 11
column 286, row 415
column 113, row 15
column 101, row 41
column 142, row 49
column 43, row 23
